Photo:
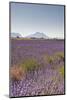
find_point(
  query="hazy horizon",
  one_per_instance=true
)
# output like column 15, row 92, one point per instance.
column 27, row 19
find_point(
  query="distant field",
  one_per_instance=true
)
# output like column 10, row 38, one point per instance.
column 37, row 67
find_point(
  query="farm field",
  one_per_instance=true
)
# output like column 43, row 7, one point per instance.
column 37, row 67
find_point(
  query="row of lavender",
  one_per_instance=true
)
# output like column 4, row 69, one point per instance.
column 21, row 49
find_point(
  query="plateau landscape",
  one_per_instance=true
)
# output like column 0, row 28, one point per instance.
column 37, row 50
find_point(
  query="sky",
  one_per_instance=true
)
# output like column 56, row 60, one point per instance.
column 27, row 19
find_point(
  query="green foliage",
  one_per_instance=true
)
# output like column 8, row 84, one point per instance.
column 49, row 59
column 30, row 64
column 61, row 70
column 60, row 55
column 52, row 59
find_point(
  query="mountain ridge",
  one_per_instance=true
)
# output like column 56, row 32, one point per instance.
column 14, row 35
column 37, row 35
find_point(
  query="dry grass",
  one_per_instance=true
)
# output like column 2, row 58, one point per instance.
column 17, row 73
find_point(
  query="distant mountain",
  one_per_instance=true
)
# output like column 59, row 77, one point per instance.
column 14, row 35
column 37, row 35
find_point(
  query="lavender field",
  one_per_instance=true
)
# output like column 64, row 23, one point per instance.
column 37, row 67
